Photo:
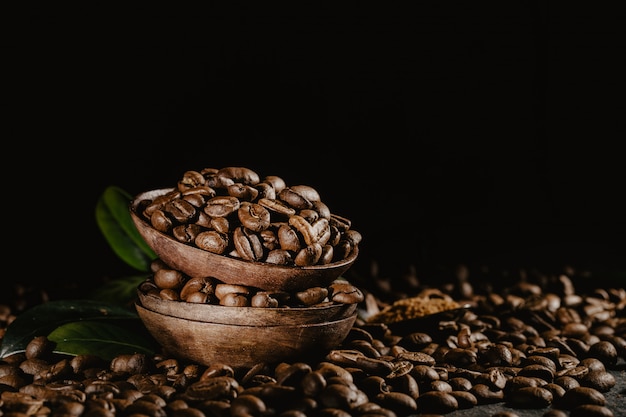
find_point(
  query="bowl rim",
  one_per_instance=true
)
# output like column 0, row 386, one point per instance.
column 325, row 323
column 266, row 316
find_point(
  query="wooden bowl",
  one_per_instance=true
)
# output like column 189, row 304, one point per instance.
column 196, row 262
column 241, row 346
column 251, row 316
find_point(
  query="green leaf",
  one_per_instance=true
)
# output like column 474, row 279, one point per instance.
column 122, row 291
column 44, row 318
column 105, row 340
column 116, row 224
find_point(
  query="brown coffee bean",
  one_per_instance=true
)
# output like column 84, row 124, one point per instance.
column 465, row 399
column 169, row 279
column 486, row 395
column 497, row 355
column 579, row 396
column 214, row 388
column 338, row 395
column 602, row 381
column 180, row 210
column 231, row 175
column 298, row 197
column 344, row 292
column 460, row 357
column 605, row 351
column 311, row 296
column 39, row 347
column 438, row 402
column 212, row 241
column 254, row 216
column 186, row 233
column 248, row 244
column 460, row 384
column 540, row 360
column 530, row 397
column 247, row 405
column 556, row 390
column 263, row 299
column 309, row 255
column 400, row 403
column 537, row 371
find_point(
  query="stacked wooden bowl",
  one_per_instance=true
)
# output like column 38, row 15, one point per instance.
column 242, row 336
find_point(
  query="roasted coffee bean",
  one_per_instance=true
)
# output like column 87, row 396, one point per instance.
column 137, row 363
column 345, row 293
column 537, row 371
column 288, row 239
column 245, row 193
column 264, row 300
column 341, row 396
column 212, row 241
column 540, row 360
column 39, row 347
column 520, row 381
column 530, row 397
column 169, row 279
column 369, row 350
column 593, row 364
column 400, row 403
column 254, row 216
column 312, row 295
column 605, row 351
column 460, row 357
column 297, row 198
column 161, row 222
column 465, row 399
column 424, row 374
column 247, row 405
column 579, row 396
column 308, row 255
column 460, row 384
column 214, row 388
column 186, row 233
column 279, row 257
column 485, row 395
column 438, row 402
column 497, row 355
column 231, row 175
column 600, row 380
column 181, row 211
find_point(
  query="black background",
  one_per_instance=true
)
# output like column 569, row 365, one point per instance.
column 476, row 134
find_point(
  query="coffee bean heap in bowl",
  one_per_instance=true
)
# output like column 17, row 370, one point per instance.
column 234, row 212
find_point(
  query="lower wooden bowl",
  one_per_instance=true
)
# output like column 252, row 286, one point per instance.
column 242, row 345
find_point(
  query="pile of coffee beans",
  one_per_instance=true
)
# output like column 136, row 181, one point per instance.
column 173, row 285
column 534, row 345
column 234, row 212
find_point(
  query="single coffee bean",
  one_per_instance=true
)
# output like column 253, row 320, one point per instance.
column 579, row 396
column 465, row 399
column 602, row 381
column 605, row 351
column 437, row 402
column 530, row 397
column 486, row 395
column 400, row 403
